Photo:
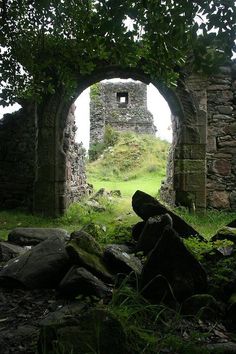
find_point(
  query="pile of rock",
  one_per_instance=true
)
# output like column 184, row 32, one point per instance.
column 76, row 266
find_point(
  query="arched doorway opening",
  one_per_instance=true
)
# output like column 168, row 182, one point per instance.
column 188, row 172
column 156, row 104
column 125, row 106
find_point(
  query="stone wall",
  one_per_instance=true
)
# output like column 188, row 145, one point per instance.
column 221, row 144
column 215, row 100
column 123, row 105
column 202, row 168
column 18, row 159
column 77, row 185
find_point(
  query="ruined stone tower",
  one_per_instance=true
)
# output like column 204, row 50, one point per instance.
column 122, row 105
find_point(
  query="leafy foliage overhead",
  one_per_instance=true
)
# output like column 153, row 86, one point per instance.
column 47, row 43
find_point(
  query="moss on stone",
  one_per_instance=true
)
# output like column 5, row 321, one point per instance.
column 90, row 261
column 85, row 241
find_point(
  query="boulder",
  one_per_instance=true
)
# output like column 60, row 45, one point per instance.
column 171, row 271
column 225, row 233
column 32, row 236
column 95, row 330
column 9, row 251
column 95, row 205
column 89, row 261
column 230, row 319
column 223, row 348
column 232, row 223
column 41, row 267
column 100, row 193
column 137, row 230
column 79, row 281
column 86, row 242
column 146, row 206
column 152, row 232
column 119, row 261
column 115, row 193
column 231, row 312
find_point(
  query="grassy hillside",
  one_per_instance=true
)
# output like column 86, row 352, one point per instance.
column 134, row 162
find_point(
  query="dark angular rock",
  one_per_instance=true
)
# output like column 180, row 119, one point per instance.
column 119, row 261
column 232, row 223
column 224, row 348
column 225, row 233
column 41, row 267
column 93, row 331
column 89, row 261
column 128, row 247
column 9, row 251
column 146, row 206
column 137, row 230
column 231, row 312
column 32, row 236
column 152, row 232
column 78, row 281
column 171, row 271
column 86, row 242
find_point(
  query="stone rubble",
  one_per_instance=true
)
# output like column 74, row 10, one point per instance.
column 78, row 268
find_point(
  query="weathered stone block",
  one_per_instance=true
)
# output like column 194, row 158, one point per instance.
column 191, row 151
column 232, row 199
column 221, row 117
column 226, row 142
column 222, row 167
column 189, row 135
column 189, row 181
column 219, row 200
column 225, row 109
column 218, row 87
column 200, row 198
column 189, row 166
column 230, row 128
column 211, row 144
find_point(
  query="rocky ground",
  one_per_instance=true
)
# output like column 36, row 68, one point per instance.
column 81, row 278
column 20, row 314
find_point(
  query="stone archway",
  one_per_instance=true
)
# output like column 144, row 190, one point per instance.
column 34, row 165
column 188, row 175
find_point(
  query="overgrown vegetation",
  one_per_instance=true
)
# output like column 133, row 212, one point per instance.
column 109, row 140
column 149, row 329
column 55, row 41
column 154, row 329
column 129, row 162
column 111, row 225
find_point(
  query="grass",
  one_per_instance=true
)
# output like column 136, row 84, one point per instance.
column 134, row 162
column 208, row 222
column 155, row 328
column 113, row 224
column 149, row 328
column 149, row 183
